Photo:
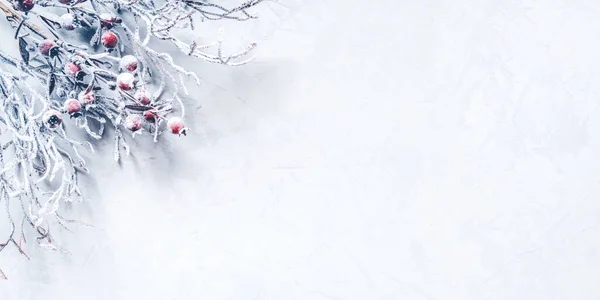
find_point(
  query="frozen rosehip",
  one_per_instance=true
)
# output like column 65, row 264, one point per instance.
column 67, row 21
column 52, row 119
column 142, row 97
column 125, row 81
column 23, row 5
column 128, row 63
column 108, row 18
column 87, row 98
column 72, row 106
column 175, row 124
column 133, row 122
column 150, row 116
column 109, row 40
column 71, row 69
column 45, row 46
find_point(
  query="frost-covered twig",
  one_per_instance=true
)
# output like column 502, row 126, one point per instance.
column 117, row 80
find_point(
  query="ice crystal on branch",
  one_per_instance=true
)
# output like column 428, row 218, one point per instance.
column 115, row 80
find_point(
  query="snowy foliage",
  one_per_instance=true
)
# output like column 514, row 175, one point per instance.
column 116, row 80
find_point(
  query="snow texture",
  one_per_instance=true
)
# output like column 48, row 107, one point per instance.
column 376, row 149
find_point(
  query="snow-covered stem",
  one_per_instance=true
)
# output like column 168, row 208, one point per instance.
column 118, row 80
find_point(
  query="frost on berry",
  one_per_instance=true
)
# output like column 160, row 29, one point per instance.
column 150, row 116
column 108, row 18
column 87, row 98
column 45, row 46
column 125, row 81
column 175, row 124
column 52, row 119
column 67, row 21
column 133, row 122
column 142, row 97
column 128, row 63
column 72, row 106
column 71, row 69
column 61, row 74
column 109, row 40
column 23, row 5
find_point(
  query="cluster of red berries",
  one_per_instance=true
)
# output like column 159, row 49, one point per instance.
column 125, row 82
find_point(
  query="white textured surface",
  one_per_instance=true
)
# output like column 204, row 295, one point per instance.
column 376, row 150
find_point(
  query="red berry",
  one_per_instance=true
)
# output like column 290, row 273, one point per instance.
column 108, row 18
column 125, row 81
column 87, row 99
column 71, row 69
column 133, row 122
column 109, row 40
column 23, row 5
column 45, row 46
column 149, row 116
column 72, row 106
column 128, row 63
column 175, row 124
column 142, row 97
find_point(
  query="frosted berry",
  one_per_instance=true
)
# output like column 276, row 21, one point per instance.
column 72, row 106
column 87, row 98
column 175, row 124
column 52, row 119
column 45, row 46
column 65, row 1
column 133, row 122
column 108, row 18
column 128, row 63
column 23, row 5
column 125, row 81
column 142, row 97
column 149, row 116
column 109, row 40
column 67, row 21
column 71, row 69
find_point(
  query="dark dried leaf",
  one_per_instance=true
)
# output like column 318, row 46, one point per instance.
column 23, row 50
column 95, row 40
column 51, row 83
column 138, row 107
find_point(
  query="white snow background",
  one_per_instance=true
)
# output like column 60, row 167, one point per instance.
column 375, row 150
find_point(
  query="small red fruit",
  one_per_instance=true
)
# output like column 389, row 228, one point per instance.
column 142, row 97
column 128, row 63
column 133, row 122
column 149, row 116
column 175, row 124
column 45, row 46
column 109, row 40
column 72, row 106
column 87, row 99
column 71, row 69
column 23, row 5
column 108, row 18
column 125, row 81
